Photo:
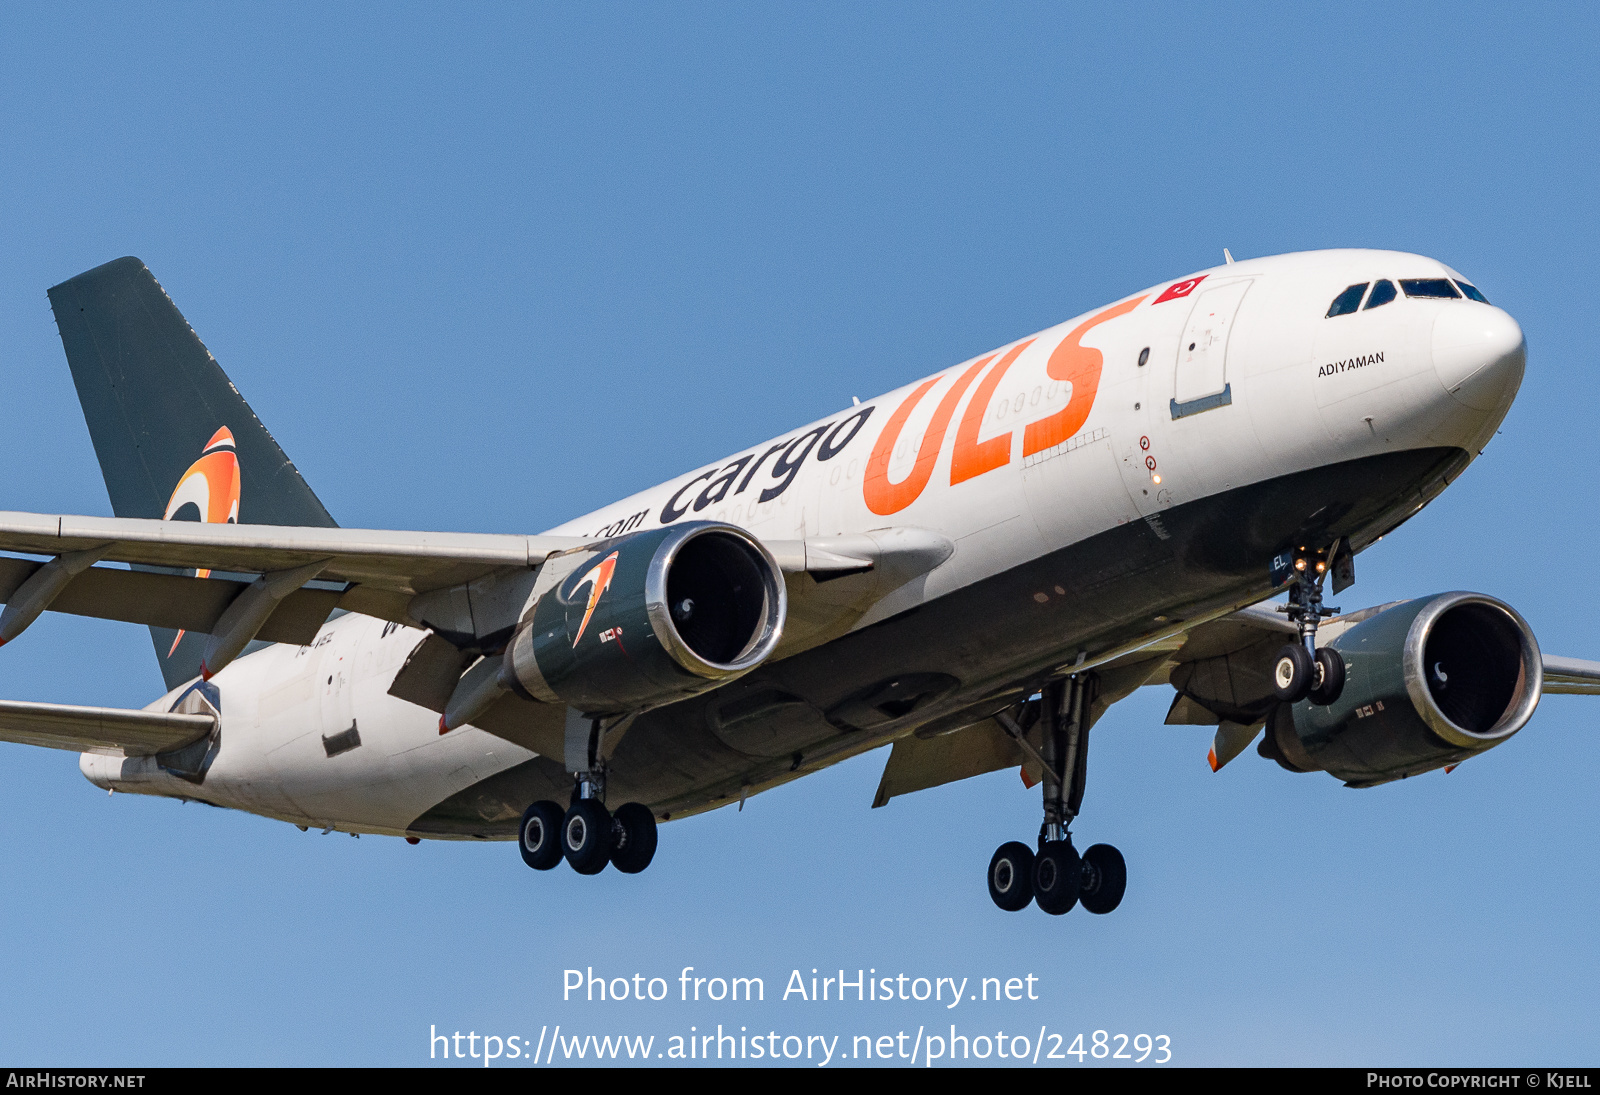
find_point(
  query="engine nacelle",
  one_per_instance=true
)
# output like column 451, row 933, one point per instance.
column 650, row 618
column 1428, row 683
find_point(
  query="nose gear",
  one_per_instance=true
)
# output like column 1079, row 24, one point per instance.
column 1303, row 670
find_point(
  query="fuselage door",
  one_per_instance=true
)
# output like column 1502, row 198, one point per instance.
column 1202, row 373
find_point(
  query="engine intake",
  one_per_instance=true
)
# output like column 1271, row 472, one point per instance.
column 1428, row 683
column 652, row 617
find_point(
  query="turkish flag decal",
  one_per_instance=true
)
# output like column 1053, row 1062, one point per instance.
column 1179, row 289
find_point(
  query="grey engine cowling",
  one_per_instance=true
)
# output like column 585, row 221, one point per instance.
column 649, row 618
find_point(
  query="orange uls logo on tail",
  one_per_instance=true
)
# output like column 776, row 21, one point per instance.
column 598, row 580
column 211, row 486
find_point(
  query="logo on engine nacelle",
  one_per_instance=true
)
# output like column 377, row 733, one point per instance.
column 598, row 580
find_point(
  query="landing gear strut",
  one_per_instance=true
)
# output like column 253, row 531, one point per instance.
column 1056, row 877
column 586, row 834
column 1303, row 670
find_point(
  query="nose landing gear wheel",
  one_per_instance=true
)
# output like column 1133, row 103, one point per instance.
column 1011, row 876
column 1056, row 874
column 1293, row 673
column 634, row 834
column 1298, row 675
column 540, row 835
column 1330, row 677
column 1103, row 878
column 586, row 836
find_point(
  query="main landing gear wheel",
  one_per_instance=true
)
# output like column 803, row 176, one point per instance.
column 633, row 830
column 540, row 835
column 1011, row 876
column 1102, row 879
column 586, row 836
column 1057, row 872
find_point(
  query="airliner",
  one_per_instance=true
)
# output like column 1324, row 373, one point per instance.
column 969, row 570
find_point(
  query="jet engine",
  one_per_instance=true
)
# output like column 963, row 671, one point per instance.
column 1428, row 683
column 649, row 618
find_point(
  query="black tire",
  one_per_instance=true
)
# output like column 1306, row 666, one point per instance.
column 1056, row 874
column 1104, row 879
column 634, row 833
column 1293, row 673
column 1329, row 677
column 539, row 835
column 1011, row 876
column 586, row 836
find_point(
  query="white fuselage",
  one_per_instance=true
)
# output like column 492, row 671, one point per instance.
column 1010, row 456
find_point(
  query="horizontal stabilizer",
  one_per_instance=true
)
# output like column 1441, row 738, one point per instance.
column 112, row 730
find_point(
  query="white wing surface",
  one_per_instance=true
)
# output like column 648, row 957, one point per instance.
column 401, row 562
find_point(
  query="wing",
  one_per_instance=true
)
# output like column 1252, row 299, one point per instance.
column 110, row 730
column 471, row 587
column 1221, row 673
column 406, row 563
column 1571, row 676
column 1219, row 670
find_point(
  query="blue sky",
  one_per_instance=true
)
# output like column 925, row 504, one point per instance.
column 488, row 267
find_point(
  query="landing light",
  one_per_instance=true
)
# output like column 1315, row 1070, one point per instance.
column 1155, row 479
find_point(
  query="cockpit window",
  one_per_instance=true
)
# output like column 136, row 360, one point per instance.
column 1382, row 293
column 1472, row 292
column 1347, row 301
column 1429, row 287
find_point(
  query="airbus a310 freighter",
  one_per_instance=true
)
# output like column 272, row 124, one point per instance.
column 970, row 569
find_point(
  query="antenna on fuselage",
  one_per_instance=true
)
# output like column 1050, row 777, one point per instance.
column 1228, row 256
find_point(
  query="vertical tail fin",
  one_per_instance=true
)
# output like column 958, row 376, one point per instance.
column 174, row 437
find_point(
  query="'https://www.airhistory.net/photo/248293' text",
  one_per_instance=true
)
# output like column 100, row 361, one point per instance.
column 926, row 1044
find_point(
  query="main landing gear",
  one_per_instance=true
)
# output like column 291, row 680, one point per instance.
column 1055, row 876
column 586, row 834
column 1303, row 670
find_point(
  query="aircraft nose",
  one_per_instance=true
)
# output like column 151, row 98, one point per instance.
column 1479, row 354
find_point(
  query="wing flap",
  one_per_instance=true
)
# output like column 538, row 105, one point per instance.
column 112, row 730
column 173, row 600
column 916, row 764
